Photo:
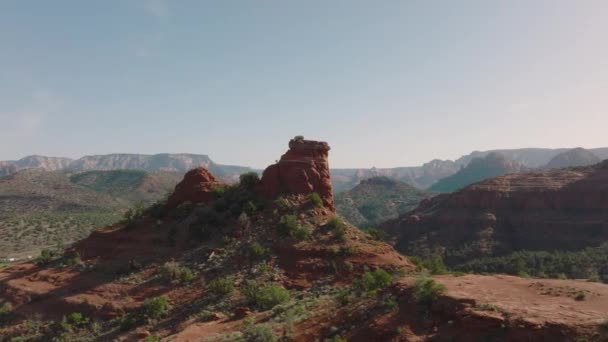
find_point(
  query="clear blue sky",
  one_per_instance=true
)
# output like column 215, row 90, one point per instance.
column 386, row 83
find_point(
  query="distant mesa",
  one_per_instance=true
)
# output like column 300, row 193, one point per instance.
column 196, row 187
column 303, row 169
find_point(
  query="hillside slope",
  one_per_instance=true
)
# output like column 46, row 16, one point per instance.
column 376, row 200
column 41, row 209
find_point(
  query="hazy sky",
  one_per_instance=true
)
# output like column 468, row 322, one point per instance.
column 386, row 83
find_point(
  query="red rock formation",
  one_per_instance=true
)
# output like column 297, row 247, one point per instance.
column 196, row 187
column 563, row 209
column 303, row 169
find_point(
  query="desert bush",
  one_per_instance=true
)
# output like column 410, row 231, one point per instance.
column 152, row 338
column 221, row 286
column 289, row 226
column 427, row 290
column 373, row 281
column 265, row 297
column 257, row 332
column 257, row 251
column 433, row 264
column 155, row 308
column 249, row 208
column 390, row 303
column 315, row 200
column 249, row 180
column 282, row 204
column 6, row 311
column 580, row 296
column 182, row 211
column 173, row 272
column 73, row 260
column 338, row 227
column 77, row 319
column 375, row 234
column 199, row 231
column 46, row 256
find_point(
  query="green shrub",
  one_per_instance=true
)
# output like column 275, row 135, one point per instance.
column 343, row 296
column 257, row 251
column 257, row 333
column 427, row 290
column 375, row 234
column 182, row 211
column 374, row 280
column 249, row 208
column 171, row 271
column 249, row 180
column 300, row 234
column 155, row 308
column 486, row 307
column 580, row 296
column 219, row 191
column 282, row 204
column 74, row 260
column 199, row 231
column 265, row 297
column 77, row 319
column 390, row 303
column 6, row 311
column 221, row 286
column 603, row 327
column 152, row 338
column 338, row 227
column 338, row 338
column 46, row 256
column 315, row 200
column 289, row 226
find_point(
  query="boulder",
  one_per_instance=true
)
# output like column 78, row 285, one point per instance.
column 196, row 187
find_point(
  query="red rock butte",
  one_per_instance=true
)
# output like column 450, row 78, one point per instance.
column 196, row 187
column 303, row 169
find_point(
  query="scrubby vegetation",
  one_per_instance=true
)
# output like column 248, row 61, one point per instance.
column 373, row 281
column 338, row 227
column 155, row 308
column 221, row 286
column 289, row 226
column 315, row 200
column 265, row 297
column 589, row 263
column 427, row 290
column 172, row 272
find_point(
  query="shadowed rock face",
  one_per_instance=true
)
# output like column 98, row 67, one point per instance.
column 564, row 209
column 303, row 169
column 196, row 187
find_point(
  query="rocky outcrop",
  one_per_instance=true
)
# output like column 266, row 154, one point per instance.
column 564, row 209
column 196, row 187
column 303, row 169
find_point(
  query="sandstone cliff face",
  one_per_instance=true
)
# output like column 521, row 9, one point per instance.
column 303, row 169
column 196, row 187
column 553, row 210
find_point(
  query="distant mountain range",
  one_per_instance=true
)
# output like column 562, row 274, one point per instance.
column 422, row 177
column 179, row 163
